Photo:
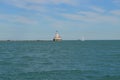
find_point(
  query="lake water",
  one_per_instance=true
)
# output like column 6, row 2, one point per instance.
column 65, row 60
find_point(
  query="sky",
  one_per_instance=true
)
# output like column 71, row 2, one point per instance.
column 73, row 19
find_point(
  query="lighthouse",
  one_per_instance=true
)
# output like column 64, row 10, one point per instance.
column 57, row 37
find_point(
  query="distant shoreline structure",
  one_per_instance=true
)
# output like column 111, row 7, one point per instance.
column 57, row 37
column 51, row 40
column 22, row 40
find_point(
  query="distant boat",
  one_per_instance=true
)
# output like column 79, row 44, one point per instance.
column 57, row 37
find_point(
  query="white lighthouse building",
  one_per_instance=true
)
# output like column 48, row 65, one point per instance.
column 57, row 37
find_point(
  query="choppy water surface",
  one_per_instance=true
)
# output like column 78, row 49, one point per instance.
column 66, row 60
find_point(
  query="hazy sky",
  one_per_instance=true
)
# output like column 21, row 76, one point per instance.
column 39, row 19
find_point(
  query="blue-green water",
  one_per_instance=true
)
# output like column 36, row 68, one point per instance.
column 66, row 60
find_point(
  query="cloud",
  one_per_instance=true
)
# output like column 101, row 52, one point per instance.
column 70, row 2
column 37, row 5
column 92, row 17
column 29, row 3
column 17, row 19
column 97, row 9
column 115, row 12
